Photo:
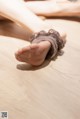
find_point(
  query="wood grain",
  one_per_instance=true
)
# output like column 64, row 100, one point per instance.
column 51, row 91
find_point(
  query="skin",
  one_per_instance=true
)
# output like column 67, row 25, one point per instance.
column 54, row 8
column 33, row 54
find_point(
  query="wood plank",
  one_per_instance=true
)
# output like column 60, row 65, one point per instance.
column 51, row 91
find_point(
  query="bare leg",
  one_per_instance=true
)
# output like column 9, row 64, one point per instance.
column 17, row 11
column 55, row 8
column 48, row 8
column 35, row 53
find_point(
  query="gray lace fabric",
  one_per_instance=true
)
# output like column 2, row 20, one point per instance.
column 53, row 37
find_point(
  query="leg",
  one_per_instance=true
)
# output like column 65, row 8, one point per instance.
column 55, row 8
column 52, row 8
column 22, row 16
column 16, row 11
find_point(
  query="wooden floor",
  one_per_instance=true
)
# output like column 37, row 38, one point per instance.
column 51, row 91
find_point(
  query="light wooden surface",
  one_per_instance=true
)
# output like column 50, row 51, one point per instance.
column 51, row 91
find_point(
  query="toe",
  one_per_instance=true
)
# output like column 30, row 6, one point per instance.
column 23, row 53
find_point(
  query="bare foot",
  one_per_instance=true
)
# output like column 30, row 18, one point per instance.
column 33, row 54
